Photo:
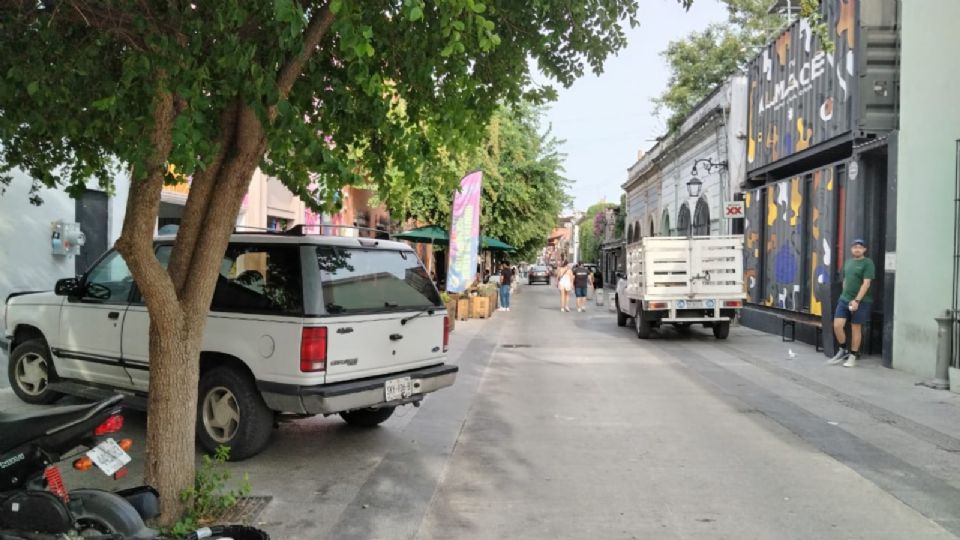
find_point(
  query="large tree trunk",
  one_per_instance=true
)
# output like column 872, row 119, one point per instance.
column 178, row 297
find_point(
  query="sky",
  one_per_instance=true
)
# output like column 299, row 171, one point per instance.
column 606, row 119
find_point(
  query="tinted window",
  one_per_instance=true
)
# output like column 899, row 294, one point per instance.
column 358, row 280
column 109, row 281
column 256, row 279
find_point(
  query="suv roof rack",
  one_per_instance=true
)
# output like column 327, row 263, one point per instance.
column 300, row 230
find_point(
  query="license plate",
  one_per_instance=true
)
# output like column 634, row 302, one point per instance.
column 400, row 388
column 109, row 457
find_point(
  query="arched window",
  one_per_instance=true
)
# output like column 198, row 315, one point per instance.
column 683, row 220
column 701, row 218
column 653, row 230
column 630, row 234
column 665, row 224
column 637, row 231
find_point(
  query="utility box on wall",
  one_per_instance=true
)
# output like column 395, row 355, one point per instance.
column 66, row 238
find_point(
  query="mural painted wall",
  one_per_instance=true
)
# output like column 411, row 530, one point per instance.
column 789, row 242
column 800, row 95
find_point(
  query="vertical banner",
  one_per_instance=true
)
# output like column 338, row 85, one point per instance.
column 464, row 233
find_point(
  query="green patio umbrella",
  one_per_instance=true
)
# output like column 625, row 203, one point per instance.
column 493, row 244
column 428, row 234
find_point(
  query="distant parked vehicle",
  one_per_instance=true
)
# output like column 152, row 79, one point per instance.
column 538, row 274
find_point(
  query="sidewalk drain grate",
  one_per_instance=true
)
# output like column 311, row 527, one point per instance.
column 517, row 346
column 245, row 512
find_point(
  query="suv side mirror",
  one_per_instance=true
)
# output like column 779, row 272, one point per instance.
column 67, row 287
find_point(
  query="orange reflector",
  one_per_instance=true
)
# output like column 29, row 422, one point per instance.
column 126, row 444
column 120, row 474
column 83, row 464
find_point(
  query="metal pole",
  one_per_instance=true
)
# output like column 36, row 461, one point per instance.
column 941, row 380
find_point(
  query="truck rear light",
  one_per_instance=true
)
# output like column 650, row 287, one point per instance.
column 732, row 303
column 656, row 305
column 110, row 425
column 313, row 349
column 446, row 333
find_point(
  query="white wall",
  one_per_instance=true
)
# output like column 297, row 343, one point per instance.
column 26, row 263
column 929, row 129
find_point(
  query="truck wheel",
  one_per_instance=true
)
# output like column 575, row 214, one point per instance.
column 30, row 370
column 621, row 316
column 231, row 412
column 721, row 330
column 643, row 326
column 367, row 418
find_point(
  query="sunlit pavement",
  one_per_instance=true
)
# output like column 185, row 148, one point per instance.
column 562, row 425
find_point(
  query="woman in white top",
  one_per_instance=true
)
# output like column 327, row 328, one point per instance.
column 565, row 284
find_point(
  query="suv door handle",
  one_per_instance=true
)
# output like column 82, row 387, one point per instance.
column 396, row 337
column 113, row 315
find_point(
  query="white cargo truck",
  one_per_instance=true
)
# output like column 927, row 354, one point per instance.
column 682, row 281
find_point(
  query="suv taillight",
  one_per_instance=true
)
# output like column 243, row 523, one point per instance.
column 446, row 333
column 110, row 425
column 313, row 349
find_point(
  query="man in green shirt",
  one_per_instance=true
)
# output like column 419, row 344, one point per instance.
column 854, row 303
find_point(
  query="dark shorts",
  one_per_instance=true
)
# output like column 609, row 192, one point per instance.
column 581, row 292
column 860, row 316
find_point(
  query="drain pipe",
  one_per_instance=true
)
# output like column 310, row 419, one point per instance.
column 940, row 380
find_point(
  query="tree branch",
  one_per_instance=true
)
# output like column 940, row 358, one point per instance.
column 201, row 196
column 143, row 205
column 316, row 30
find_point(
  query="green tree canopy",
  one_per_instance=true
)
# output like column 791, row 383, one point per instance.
column 523, row 186
column 589, row 239
column 704, row 59
column 318, row 93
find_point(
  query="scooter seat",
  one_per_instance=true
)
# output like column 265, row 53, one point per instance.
column 17, row 429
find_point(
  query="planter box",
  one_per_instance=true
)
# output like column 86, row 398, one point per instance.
column 463, row 309
column 452, row 312
column 480, row 307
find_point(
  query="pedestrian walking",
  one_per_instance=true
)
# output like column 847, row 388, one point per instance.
column 506, row 282
column 854, row 303
column 565, row 284
column 582, row 279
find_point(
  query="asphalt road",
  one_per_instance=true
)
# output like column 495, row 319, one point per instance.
column 562, row 425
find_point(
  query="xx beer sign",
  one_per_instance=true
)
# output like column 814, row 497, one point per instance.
column 733, row 209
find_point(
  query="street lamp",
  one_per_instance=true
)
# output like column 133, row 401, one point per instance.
column 694, row 186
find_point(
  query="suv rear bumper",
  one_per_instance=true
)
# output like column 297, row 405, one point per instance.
column 350, row 395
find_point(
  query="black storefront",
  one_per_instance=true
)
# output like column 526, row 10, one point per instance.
column 820, row 172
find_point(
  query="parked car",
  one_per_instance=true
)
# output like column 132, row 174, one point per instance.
column 538, row 274
column 299, row 325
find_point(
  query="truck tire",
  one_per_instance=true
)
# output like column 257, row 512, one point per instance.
column 642, row 326
column 367, row 418
column 30, row 370
column 231, row 412
column 721, row 330
column 621, row 316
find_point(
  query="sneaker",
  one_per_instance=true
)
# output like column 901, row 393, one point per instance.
column 508, row 309
column 851, row 361
column 840, row 357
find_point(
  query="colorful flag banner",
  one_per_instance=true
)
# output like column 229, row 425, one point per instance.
column 465, row 233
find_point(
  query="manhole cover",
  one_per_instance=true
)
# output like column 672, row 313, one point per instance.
column 245, row 512
column 517, row 346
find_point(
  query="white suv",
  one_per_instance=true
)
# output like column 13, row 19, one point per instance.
column 299, row 325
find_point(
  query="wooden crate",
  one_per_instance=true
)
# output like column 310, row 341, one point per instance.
column 463, row 309
column 480, row 307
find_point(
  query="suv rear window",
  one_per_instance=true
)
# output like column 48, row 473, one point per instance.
column 364, row 280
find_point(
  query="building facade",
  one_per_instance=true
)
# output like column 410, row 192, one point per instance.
column 923, row 256
column 818, row 172
column 28, row 258
column 710, row 146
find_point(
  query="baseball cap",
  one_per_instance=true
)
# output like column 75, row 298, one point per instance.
column 858, row 241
